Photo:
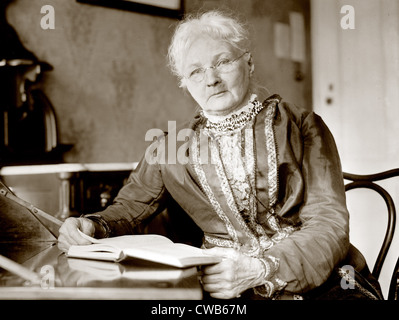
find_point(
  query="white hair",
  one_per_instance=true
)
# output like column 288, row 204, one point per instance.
column 217, row 25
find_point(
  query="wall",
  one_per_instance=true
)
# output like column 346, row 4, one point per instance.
column 355, row 73
column 110, row 83
column 276, row 74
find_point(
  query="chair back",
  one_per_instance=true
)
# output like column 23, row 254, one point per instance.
column 369, row 182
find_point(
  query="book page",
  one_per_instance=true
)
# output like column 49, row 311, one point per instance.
column 95, row 251
column 104, row 270
column 151, row 247
column 175, row 254
column 129, row 241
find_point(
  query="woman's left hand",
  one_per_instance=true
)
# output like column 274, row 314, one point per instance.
column 233, row 275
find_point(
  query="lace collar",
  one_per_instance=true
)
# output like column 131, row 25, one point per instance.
column 236, row 120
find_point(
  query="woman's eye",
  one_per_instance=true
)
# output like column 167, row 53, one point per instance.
column 222, row 62
column 196, row 71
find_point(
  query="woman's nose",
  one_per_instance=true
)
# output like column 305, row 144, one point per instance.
column 212, row 77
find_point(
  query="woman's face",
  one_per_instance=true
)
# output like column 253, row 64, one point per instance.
column 219, row 93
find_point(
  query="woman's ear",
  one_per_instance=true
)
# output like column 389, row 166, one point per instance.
column 251, row 65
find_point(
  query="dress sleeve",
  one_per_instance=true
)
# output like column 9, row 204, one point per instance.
column 143, row 196
column 307, row 257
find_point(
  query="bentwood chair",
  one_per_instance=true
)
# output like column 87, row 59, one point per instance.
column 369, row 182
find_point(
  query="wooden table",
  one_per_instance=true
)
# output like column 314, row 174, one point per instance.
column 28, row 238
column 79, row 279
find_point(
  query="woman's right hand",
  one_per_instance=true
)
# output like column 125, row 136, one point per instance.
column 69, row 234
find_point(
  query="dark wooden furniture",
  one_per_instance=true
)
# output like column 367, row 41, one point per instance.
column 32, row 266
column 369, row 182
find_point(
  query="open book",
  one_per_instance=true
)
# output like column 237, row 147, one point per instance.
column 95, row 270
column 150, row 247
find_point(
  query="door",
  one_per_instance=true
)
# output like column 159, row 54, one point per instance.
column 355, row 52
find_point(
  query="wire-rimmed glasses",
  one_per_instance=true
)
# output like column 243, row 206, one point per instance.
column 223, row 66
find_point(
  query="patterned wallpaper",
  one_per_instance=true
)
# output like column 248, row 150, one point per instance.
column 110, row 82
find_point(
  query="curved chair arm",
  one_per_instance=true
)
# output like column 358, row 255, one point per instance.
column 367, row 181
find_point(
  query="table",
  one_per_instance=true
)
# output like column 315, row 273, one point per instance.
column 28, row 237
column 80, row 279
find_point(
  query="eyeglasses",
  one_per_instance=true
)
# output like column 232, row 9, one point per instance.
column 223, row 66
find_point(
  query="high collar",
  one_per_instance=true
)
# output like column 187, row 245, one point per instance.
column 245, row 108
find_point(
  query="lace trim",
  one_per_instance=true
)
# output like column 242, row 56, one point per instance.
column 235, row 121
column 270, row 288
column 218, row 118
column 207, row 189
column 271, row 147
column 280, row 233
column 272, row 283
column 227, row 191
column 219, row 242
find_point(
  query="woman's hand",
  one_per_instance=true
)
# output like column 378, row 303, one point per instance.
column 69, row 234
column 233, row 275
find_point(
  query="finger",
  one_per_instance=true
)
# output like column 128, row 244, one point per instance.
column 212, row 279
column 79, row 224
column 224, row 295
column 63, row 244
column 220, row 292
column 213, row 269
column 218, row 295
column 211, row 287
column 221, row 267
column 69, row 232
column 65, row 241
column 86, row 226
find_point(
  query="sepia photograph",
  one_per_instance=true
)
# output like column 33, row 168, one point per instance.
column 211, row 151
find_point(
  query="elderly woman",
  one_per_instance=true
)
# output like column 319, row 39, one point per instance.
column 268, row 194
